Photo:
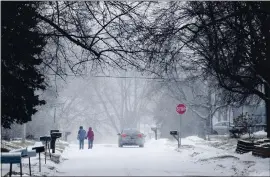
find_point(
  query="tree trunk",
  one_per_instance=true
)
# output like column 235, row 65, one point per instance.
column 227, row 109
column 219, row 116
column 265, row 19
column 267, row 110
column 23, row 133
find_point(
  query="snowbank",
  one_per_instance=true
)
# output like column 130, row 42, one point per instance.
column 47, row 169
column 161, row 143
column 257, row 135
column 260, row 133
column 220, row 155
column 194, row 139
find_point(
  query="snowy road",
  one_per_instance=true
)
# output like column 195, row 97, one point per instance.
column 110, row 160
column 156, row 158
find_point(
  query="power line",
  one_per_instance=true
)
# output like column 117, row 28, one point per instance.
column 130, row 77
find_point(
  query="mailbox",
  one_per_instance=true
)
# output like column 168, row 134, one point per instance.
column 52, row 131
column 173, row 132
column 66, row 135
column 31, row 153
column 39, row 149
column 45, row 138
column 11, row 158
column 54, row 135
column 154, row 128
column 22, row 151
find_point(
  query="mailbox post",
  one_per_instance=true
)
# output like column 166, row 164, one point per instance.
column 46, row 139
column 174, row 133
column 39, row 149
column 155, row 131
column 54, row 135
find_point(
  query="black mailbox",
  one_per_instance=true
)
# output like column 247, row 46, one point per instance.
column 52, row 131
column 54, row 135
column 154, row 128
column 173, row 132
column 45, row 138
column 39, row 149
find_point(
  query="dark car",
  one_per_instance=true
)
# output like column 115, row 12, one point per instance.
column 131, row 137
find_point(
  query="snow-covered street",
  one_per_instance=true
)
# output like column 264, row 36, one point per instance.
column 159, row 158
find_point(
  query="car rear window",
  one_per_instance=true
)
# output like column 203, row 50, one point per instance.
column 131, row 131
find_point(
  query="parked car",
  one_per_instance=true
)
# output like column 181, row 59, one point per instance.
column 222, row 128
column 131, row 137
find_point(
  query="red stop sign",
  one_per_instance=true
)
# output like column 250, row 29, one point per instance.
column 181, row 108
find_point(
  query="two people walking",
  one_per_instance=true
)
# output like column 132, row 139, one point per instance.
column 82, row 136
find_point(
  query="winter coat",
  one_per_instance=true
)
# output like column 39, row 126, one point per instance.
column 90, row 134
column 81, row 134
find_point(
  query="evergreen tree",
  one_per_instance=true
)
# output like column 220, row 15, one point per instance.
column 21, row 49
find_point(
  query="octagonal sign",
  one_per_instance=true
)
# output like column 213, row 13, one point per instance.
column 181, row 108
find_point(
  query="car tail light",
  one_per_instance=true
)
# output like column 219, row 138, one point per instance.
column 123, row 135
column 140, row 135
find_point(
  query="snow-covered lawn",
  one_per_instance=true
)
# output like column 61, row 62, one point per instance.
column 196, row 157
column 46, row 169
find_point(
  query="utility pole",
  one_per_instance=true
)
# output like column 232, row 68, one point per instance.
column 24, row 133
column 54, row 116
column 135, row 102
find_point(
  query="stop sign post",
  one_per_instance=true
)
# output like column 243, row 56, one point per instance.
column 180, row 109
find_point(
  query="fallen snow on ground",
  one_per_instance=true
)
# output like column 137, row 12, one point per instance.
column 161, row 157
column 226, row 161
column 195, row 157
column 256, row 135
column 260, row 133
column 46, row 169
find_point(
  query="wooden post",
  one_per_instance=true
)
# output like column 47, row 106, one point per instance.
column 39, row 162
column 49, row 151
column 29, row 166
column 45, row 150
column 21, row 168
column 10, row 169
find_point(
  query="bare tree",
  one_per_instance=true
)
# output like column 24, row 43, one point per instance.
column 228, row 41
column 95, row 32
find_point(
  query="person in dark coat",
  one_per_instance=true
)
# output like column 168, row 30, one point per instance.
column 81, row 136
column 90, row 136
